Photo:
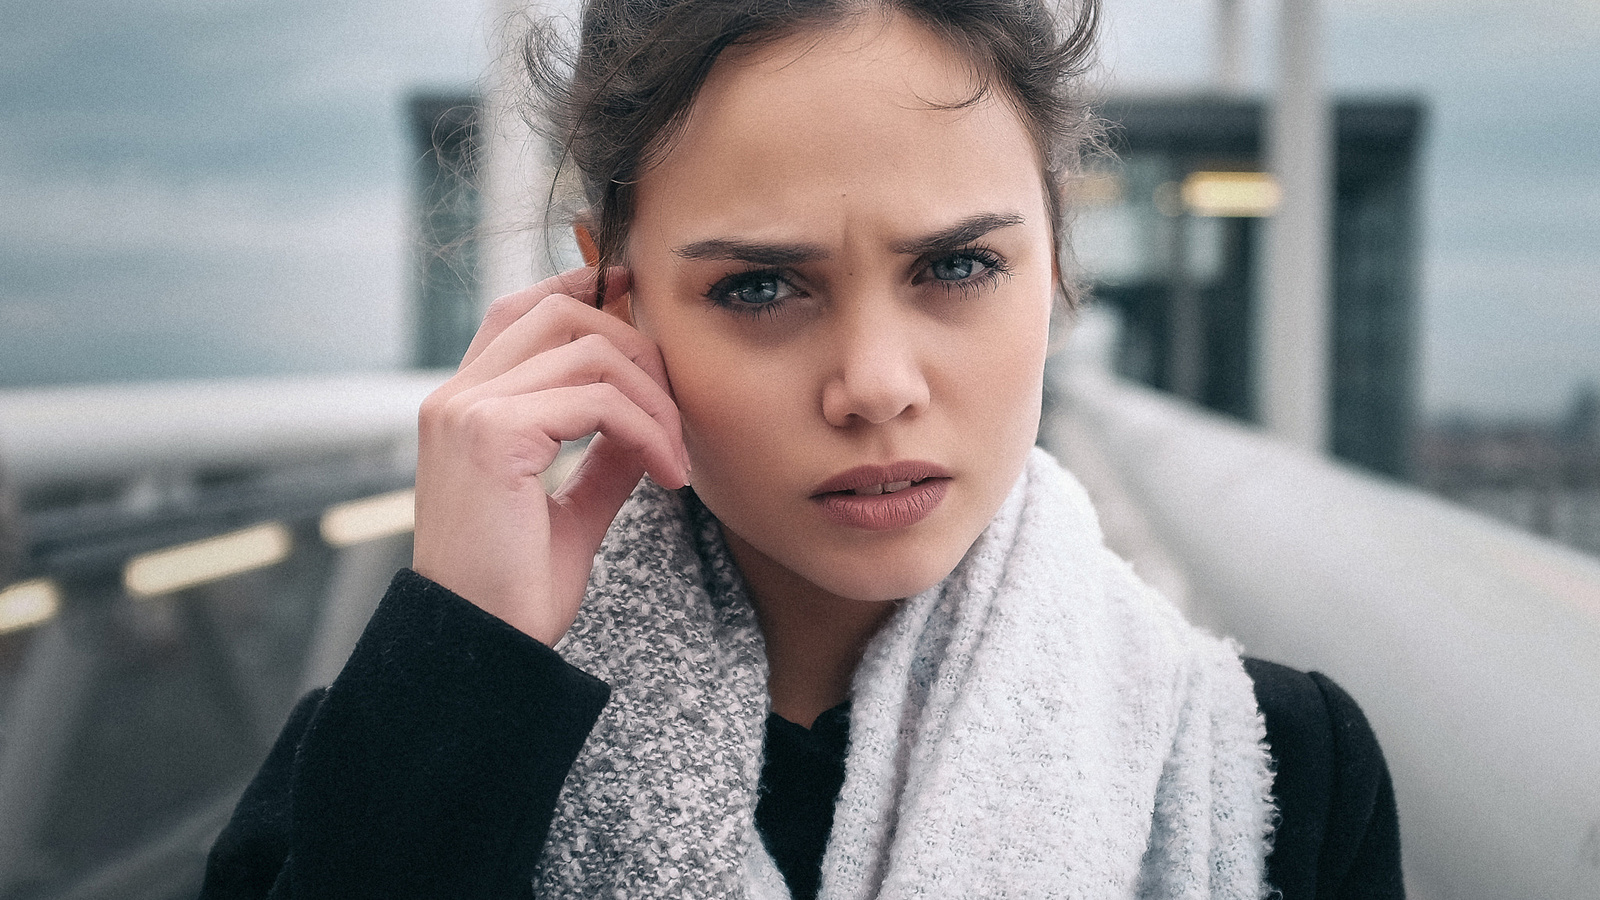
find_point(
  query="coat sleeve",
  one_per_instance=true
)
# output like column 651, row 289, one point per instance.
column 429, row 768
column 1338, row 834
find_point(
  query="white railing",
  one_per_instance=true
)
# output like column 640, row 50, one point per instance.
column 124, row 431
column 1473, row 648
column 149, row 448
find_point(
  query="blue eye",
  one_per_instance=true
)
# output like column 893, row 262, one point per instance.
column 755, row 292
column 956, row 268
column 966, row 269
column 963, row 266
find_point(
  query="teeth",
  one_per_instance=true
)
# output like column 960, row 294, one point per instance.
column 889, row 488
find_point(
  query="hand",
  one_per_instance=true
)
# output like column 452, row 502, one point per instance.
column 545, row 367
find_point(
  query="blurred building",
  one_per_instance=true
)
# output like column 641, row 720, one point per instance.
column 1540, row 476
column 1170, row 232
column 448, row 212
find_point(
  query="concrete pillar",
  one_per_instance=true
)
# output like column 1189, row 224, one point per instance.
column 1292, row 334
column 1229, row 47
column 515, row 179
column 1186, row 325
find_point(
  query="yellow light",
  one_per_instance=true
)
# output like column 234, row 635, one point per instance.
column 1231, row 194
column 188, row 565
column 1097, row 189
column 370, row 518
column 28, row 603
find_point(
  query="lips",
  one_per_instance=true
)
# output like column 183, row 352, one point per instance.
column 883, row 498
column 870, row 480
column 889, row 488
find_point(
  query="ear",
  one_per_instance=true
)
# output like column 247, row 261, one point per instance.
column 619, row 294
column 586, row 244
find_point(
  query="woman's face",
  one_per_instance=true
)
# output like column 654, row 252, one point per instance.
column 851, row 289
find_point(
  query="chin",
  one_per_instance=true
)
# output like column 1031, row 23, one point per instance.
column 874, row 579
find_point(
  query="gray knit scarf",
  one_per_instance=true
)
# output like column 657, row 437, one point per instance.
column 1039, row 724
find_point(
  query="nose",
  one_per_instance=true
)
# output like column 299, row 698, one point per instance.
column 877, row 374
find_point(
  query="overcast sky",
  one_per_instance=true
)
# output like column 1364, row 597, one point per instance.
column 211, row 187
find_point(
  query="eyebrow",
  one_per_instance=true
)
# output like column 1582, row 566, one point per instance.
column 752, row 252
column 963, row 232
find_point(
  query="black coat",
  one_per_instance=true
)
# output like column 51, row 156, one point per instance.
column 431, row 768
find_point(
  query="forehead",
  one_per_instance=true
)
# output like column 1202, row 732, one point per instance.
column 875, row 114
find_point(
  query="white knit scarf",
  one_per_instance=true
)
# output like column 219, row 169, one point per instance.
column 1039, row 724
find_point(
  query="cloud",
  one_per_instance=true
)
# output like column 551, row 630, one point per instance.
column 172, row 287
column 230, row 89
column 202, row 187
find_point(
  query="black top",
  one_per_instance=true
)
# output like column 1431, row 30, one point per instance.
column 801, row 775
column 432, row 764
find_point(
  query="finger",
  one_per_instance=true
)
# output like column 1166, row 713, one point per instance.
column 595, row 489
column 557, row 320
column 576, row 283
column 591, row 358
column 570, row 413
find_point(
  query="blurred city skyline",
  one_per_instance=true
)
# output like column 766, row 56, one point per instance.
column 198, row 189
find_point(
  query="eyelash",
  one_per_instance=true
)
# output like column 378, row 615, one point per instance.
column 722, row 292
column 994, row 267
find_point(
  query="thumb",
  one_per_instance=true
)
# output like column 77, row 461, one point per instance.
column 590, row 497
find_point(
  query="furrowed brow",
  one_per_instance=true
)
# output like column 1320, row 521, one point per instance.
column 752, row 252
column 964, row 232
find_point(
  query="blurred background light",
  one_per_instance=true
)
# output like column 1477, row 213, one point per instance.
column 368, row 519
column 28, row 603
column 189, row 565
column 1230, row 194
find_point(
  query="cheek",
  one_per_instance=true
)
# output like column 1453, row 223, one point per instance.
column 996, row 370
column 736, row 407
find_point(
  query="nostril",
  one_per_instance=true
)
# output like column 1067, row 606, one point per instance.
column 873, row 397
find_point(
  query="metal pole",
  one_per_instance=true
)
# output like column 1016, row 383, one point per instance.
column 1230, row 40
column 1293, row 328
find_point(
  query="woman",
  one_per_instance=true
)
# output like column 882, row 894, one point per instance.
column 877, row 650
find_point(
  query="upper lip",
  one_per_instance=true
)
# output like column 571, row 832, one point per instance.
column 867, row 476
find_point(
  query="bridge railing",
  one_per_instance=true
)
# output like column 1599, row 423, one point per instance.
column 197, row 554
column 1473, row 648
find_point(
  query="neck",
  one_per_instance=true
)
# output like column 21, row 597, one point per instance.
column 814, row 639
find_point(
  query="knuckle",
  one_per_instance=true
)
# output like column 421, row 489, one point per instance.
column 505, row 310
column 449, row 410
column 605, row 392
column 602, row 395
column 561, row 304
column 555, row 313
column 479, row 420
column 598, row 352
column 432, row 410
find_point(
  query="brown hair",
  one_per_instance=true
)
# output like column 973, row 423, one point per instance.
column 612, row 106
